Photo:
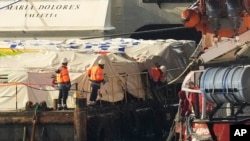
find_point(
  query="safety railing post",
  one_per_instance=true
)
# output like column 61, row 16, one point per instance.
column 125, row 89
column 112, row 85
column 16, row 96
column 76, row 96
column 138, row 84
column 147, row 85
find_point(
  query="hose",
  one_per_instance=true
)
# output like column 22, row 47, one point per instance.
column 177, row 78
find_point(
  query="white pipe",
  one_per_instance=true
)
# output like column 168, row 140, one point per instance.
column 204, row 108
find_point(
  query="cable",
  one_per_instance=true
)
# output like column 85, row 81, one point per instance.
column 177, row 78
column 129, row 33
column 10, row 4
column 196, row 51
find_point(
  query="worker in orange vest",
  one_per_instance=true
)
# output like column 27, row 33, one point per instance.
column 158, row 79
column 96, row 76
column 64, row 84
column 157, row 75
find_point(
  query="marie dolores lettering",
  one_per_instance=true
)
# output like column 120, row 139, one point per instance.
column 44, row 7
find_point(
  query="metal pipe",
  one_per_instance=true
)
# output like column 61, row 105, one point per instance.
column 204, row 108
column 138, row 84
column 24, row 133
column 112, row 83
column 125, row 89
column 43, row 130
column 32, row 138
column 16, row 96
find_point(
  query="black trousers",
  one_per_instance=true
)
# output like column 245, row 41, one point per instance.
column 95, row 87
column 63, row 95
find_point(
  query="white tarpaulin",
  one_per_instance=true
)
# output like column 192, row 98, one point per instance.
column 29, row 77
column 29, row 73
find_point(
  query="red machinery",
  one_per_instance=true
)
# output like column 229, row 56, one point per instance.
column 226, row 37
column 223, row 18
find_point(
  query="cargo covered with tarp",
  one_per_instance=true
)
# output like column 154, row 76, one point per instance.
column 27, row 76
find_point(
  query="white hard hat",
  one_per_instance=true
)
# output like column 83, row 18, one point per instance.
column 163, row 68
column 64, row 61
column 102, row 62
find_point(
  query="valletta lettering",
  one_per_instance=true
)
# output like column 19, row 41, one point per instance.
column 43, row 15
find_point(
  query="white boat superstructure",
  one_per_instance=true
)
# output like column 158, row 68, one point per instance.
column 82, row 18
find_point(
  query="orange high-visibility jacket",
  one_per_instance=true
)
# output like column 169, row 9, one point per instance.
column 157, row 75
column 96, row 73
column 63, row 75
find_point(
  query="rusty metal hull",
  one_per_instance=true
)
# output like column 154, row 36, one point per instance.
column 126, row 122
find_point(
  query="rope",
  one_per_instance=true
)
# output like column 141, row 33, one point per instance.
column 129, row 33
column 196, row 51
column 10, row 4
column 30, row 86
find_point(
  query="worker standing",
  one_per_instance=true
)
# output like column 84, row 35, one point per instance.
column 64, row 84
column 96, row 76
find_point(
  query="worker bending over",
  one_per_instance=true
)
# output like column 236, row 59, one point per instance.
column 96, row 76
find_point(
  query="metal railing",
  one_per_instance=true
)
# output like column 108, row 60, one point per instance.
column 133, row 86
column 123, row 80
